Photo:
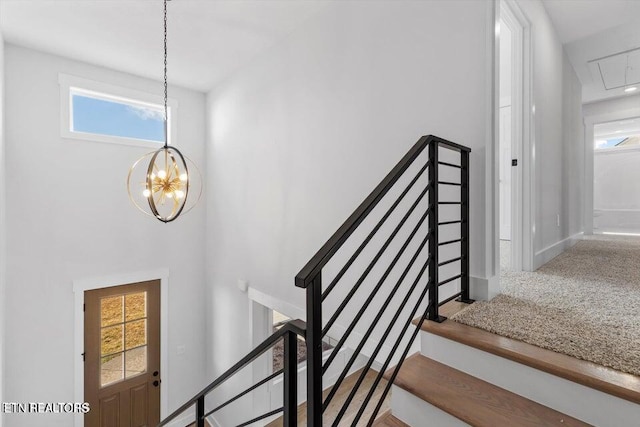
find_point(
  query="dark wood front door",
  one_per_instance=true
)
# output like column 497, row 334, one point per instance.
column 122, row 355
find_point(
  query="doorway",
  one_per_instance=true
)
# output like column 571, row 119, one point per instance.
column 505, row 143
column 514, row 231
column 616, row 153
column 122, row 355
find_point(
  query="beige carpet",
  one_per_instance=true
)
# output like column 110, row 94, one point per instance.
column 584, row 303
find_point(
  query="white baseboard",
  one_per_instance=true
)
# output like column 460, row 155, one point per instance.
column 484, row 289
column 547, row 254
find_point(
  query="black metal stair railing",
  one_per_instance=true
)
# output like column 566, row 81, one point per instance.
column 289, row 332
column 398, row 283
column 423, row 225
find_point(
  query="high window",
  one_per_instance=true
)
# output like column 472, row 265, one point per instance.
column 101, row 114
column 95, row 111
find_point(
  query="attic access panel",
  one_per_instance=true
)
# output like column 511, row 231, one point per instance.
column 611, row 69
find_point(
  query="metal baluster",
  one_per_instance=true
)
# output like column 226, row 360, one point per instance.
column 290, row 398
column 433, row 230
column 314, row 351
column 464, row 227
column 200, row 412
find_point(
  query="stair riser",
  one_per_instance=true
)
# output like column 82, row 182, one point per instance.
column 418, row 413
column 578, row 401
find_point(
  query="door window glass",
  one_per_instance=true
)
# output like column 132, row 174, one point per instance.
column 123, row 332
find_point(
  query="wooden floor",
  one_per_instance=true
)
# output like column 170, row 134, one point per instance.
column 616, row 383
column 340, row 397
column 388, row 420
column 473, row 400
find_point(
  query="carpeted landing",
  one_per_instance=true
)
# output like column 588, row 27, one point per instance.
column 584, row 303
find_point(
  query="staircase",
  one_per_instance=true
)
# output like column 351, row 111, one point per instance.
column 529, row 385
column 392, row 273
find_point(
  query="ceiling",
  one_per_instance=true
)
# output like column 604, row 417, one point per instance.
column 577, row 19
column 620, row 70
column 208, row 39
column 600, row 36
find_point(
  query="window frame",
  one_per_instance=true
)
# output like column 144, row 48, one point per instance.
column 70, row 85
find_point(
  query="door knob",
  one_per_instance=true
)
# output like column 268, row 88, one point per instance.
column 155, row 373
column 156, row 383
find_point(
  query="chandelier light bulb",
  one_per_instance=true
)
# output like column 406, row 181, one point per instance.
column 161, row 174
column 184, row 177
column 146, row 192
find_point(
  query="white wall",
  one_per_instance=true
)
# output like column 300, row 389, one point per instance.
column 69, row 218
column 301, row 135
column 3, row 228
column 612, row 106
column 559, row 151
column 617, row 190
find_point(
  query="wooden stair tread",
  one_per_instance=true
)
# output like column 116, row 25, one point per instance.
column 451, row 308
column 473, row 400
column 598, row 377
column 388, row 420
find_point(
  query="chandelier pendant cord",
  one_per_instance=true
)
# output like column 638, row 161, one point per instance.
column 166, row 115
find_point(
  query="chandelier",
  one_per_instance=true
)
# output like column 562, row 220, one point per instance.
column 164, row 188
